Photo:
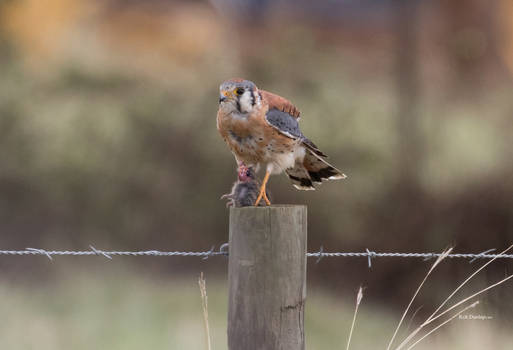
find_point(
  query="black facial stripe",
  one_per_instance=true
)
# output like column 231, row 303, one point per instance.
column 252, row 96
column 238, row 104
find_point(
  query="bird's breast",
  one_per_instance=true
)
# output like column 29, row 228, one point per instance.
column 243, row 134
column 253, row 141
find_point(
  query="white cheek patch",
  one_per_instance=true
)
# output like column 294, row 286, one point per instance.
column 246, row 102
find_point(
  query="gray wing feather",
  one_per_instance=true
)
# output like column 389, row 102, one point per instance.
column 289, row 126
column 284, row 123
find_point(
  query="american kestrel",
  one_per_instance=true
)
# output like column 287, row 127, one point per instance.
column 262, row 128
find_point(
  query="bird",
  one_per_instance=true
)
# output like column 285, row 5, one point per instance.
column 245, row 190
column 262, row 129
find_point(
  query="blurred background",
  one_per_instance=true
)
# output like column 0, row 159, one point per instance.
column 108, row 137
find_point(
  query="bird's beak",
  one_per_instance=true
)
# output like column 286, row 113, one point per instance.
column 223, row 96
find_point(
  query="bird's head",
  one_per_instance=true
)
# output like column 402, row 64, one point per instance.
column 239, row 95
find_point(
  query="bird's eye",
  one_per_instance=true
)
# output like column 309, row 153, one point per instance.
column 239, row 91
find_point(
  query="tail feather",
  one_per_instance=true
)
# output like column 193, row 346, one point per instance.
column 300, row 177
column 312, row 147
column 314, row 169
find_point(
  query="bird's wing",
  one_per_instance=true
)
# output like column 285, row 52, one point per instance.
column 288, row 125
column 279, row 103
column 285, row 123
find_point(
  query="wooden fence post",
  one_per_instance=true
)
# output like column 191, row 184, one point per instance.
column 267, row 278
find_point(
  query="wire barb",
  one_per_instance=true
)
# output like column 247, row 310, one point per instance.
column 209, row 253
column 224, row 249
column 320, row 254
column 429, row 257
column 370, row 255
column 100, row 252
column 481, row 254
column 40, row 251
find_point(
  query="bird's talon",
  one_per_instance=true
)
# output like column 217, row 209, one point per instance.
column 260, row 195
column 262, row 191
column 259, row 198
column 267, row 201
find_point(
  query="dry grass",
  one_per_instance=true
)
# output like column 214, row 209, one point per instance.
column 204, row 300
column 468, row 279
column 444, row 323
column 359, row 298
column 435, row 315
column 440, row 258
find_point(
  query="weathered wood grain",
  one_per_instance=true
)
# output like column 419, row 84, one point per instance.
column 267, row 278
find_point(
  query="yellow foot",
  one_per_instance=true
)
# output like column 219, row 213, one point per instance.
column 267, row 201
column 260, row 196
column 264, row 196
column 262, row 192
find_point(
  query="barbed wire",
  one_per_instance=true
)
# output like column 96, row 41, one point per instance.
column 223, row 251
column 109, row 254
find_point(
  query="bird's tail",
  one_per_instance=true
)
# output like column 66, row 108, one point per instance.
column 314, row 169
